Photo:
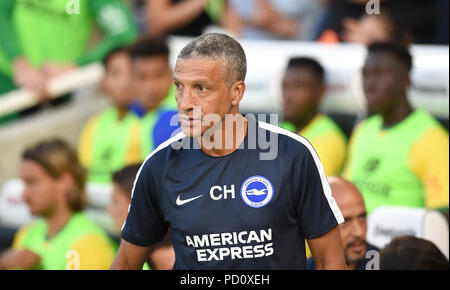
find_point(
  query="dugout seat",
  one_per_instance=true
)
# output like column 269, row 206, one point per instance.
column 14, row 211
column 99, row 195
column 386, row 223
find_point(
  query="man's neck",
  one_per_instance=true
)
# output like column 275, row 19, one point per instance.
column 159, row 102
column 301, row 123
column 226, row 138
column 397, row 114
column 148, row 110
column 122, row 112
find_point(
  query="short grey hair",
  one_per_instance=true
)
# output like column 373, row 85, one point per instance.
column 219, row 45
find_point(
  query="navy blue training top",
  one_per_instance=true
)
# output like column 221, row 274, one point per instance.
column 238, row 211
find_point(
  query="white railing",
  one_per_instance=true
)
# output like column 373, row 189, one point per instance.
column 22, row 98
column 266, row 61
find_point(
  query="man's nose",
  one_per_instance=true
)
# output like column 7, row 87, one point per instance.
column 187, row 100
column 358, row 229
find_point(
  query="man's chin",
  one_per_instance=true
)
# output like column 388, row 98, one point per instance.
column 354, row 257
column 34, row 211
column 191, row 131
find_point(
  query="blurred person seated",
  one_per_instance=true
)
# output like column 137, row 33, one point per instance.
column 43, row 39
column 188, row 17
column 411, row 253
column 155, row 93
column 367, row 29
column 265, row 19
column 419, row 18
column 306, row 13
column 64, row 238
column 354, row 229
column 374, row 28
column 398, row 156
column 340, row 14
column 162, row 256
column 111, row 139
column 303, row 87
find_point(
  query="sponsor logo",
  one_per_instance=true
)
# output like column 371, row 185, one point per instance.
column 257, row 191
column 232, row 245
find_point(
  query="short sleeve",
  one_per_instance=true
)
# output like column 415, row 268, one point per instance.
column 165, row 127
column 331, row 150
column 19, row 237
column 318, row 212
column 429, row 160
column 32, row 238
column 94, row 252
column 145, row 225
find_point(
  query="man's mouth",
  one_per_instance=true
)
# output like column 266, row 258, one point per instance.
column 358, row 246
column 189, row 120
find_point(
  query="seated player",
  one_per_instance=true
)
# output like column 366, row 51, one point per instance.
column 156, row 105
column 303, row 88
column 399, row 156
column 110, row 139
column 64, row 237
column 162, row 255
column 412, row 253
column 43, row 39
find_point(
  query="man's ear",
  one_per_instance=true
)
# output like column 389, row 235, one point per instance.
column 406, row 82
column 66, row 181
column 102, row 85
column 237, row 91
column 321, row 93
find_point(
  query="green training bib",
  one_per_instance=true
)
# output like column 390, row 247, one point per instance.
column 379, row 161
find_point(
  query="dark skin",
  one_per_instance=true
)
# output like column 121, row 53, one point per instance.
column 385, row 81
column 152, row 79
column 201, row 82
column 302, row 93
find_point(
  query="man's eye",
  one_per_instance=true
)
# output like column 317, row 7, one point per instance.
column 201, row 88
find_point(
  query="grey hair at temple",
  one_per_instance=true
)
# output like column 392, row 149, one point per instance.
column 218, row 45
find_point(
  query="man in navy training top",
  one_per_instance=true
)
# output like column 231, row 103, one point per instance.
column 230, row 201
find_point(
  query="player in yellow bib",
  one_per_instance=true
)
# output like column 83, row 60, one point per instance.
column 399, row 156
column 155, row 94
column 111, row 139
column 63, row 238
column 42, row 39
column 303, row 88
